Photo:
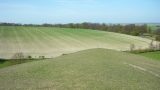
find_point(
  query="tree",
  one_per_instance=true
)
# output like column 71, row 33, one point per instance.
column 157, row 38
column 157, row 32
column 151, row 45
column 132, row 47
column 157, row 46
column 19, row 55
column 41, row 57
column 149, row 30
column 135, row 33
column 143, row 29
column 29, row 57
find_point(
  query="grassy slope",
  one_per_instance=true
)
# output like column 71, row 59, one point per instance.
column 96, row 69
column 153, row 55
column 50, row 42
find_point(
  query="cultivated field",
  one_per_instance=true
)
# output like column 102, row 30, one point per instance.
column 51, row 42
column 96, row 69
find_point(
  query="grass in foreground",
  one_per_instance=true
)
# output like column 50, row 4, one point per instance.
column 96, row 69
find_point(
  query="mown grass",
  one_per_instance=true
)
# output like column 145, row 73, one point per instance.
column 97, row 69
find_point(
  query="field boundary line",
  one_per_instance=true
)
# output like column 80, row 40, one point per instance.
column 143, row 69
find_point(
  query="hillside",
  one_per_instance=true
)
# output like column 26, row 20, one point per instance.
column 95, row 69
column 51, row 42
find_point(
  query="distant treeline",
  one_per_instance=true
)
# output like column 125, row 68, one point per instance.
column 131, row 29
column 17, row 24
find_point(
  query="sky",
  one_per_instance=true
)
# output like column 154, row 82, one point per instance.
column 77, row 11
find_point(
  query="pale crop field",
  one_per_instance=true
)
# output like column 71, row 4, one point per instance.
column 51, row 42
column 95, row 69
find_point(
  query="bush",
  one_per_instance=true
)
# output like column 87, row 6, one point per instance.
column 157, row 38
column 132, row 47
column 29, row 57
column 18, row 55
column 134, row 33
column 41, row 57
column 64, row 54
column 142, row 51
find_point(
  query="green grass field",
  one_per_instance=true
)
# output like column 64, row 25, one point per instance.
column 153, row 26
column 95, row 69
column 153, row 55
column 51, row 42
column 6, row 63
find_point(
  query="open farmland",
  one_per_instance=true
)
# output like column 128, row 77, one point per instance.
column 51, row 42
column 95, row 69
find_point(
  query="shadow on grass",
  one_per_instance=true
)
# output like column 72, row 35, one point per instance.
column 6, row 63
column 2, row 61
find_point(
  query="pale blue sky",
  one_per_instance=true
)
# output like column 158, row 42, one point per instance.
column 77, row 11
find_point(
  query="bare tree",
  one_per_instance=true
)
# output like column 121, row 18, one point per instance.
column 151, row 45
column 132, row 47
column 19, row 55
column 41, row 57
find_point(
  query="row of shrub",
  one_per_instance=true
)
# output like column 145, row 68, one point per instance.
column 143, row 51
column 20, row 55
column 152, row 48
